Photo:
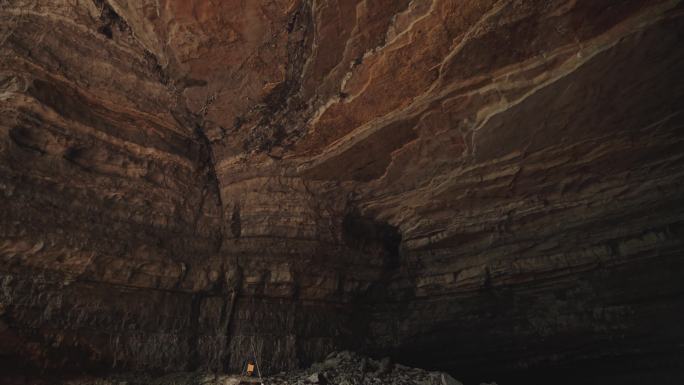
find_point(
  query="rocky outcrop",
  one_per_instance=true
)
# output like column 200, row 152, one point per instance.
column 478, row 187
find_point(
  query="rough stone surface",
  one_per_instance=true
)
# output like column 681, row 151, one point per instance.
column 483, row 187
column 340, row 368
column 352, row 369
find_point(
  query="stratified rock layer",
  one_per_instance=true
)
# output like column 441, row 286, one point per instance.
column 472, row 186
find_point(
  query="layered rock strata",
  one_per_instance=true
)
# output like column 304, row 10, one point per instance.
column 479, row 186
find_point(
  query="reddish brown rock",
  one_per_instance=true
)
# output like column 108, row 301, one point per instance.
column 484, row 187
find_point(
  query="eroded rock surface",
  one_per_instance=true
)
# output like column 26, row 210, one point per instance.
column 339, row 368
column 352, row 369
column 473, row 186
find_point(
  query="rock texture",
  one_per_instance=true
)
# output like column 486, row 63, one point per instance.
column 352, row 369
column 339, row 368
column 492, row 188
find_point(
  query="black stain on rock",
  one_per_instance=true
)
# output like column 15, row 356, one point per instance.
column 26, row 138
column 235, row 222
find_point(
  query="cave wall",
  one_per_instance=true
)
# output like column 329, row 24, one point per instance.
column 477, row 186
column 108, row 195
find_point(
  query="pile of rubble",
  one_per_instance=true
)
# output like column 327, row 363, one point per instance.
column 347, row 368
column 339, row 368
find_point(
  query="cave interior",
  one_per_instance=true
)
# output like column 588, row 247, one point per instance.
column 493, row 189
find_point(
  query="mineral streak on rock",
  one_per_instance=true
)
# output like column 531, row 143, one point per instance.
column 470, row 186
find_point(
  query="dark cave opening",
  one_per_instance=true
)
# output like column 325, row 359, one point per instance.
column 375, row 238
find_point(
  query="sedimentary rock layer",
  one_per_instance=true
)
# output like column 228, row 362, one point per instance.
column 473, row 186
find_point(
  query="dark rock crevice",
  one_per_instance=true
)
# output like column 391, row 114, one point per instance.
column 110, row 20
